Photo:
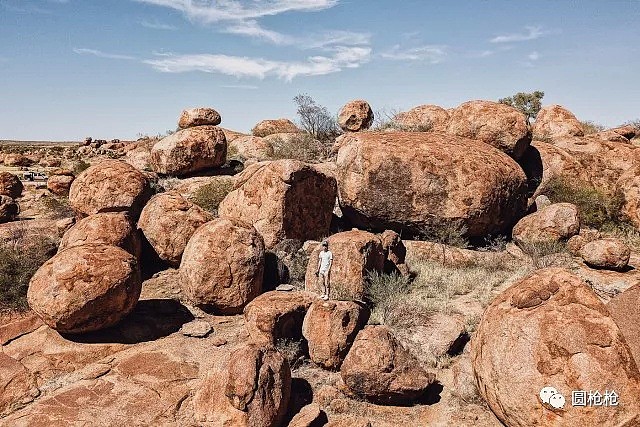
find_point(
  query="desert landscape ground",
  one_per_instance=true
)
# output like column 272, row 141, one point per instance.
column 481, row 254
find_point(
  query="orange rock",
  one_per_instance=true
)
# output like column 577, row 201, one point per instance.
column 110, row 228
column 10, row 185
column 309, row 416
column 556, row 222
column 109, row 186
column 610, row 253
column 624, row 310
column 199, row 117
column 85, row 288
column 330, row 328
column 554, row 121
column 493, row 123
column 550, row 329
column 380, row 369
column 168, row 221
column 355, row 116
column 268, row 127
column 60, row 184
column 283, row 199
column 252, row 147
column 222, row 265
column 355, row 254
column 410, row 181
column 17, row 385
column 9, row 209
column 424, row 118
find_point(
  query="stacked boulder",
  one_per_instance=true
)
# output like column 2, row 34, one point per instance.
column 198, row 145
column 355, row 116
column 554, row 223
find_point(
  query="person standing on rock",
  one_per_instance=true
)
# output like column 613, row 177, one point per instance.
column 325, row 259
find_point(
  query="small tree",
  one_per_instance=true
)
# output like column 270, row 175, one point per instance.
column 527, row 103
column 315, row 119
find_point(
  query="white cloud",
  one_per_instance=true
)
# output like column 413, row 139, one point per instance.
column 243, row 87
column 251, row 28
column 531, row 33
column 533, row 56
column 157, row 25
column 237, row 66
column 100, row 54
column 430, row 53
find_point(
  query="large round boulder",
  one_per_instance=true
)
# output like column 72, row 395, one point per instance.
column 283, row 199
column 168, row 221
column 423, row 118
column 192, row 117
column 493, row 123
column 9, row 209
column 222, row 265
column 60, row 184
column 85, row 288
column 10, row 185
column 380, row 369
column 554, row 223
column 109, row 228
column 189, row 150
column 252, row 147
column 554, row 121
column 609, row 253
column 415, row 181
column 551, row 330
column 109, row 186
column 269, row 127
column 355, row 116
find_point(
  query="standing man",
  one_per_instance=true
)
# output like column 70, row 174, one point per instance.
column 325, row 259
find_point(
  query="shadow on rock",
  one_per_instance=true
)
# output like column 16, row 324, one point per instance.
column 150, row 320
column 431, row 394
column 301, row 396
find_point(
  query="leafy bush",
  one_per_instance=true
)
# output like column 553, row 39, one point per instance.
column 528, row 104
column 597, row 208
column 315, row 119
column 210, row 195
column 303, row 147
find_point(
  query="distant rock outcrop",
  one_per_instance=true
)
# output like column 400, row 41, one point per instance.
column 555, row 121
column 269, row 127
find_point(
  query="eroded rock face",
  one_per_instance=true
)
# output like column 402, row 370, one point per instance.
column 269, row 127
column 498, row 125
column 309, row 416
column 284, row 199
column 17, row 385
column 610, row 253
column 554, row 121
column 624, row 310
column 557, row 333
column 355, row 254
column 556, row 222
column 199, row 117
column 413, row 181
column 355, row 116
column 168, row 221
column 59, row 184
column 85, row 288
column 629, row 185
column 9, row 209
column 250, row 388
column 223, row 265
column 10, row 185
column 109, row 186
column 424, row 118
column 110, row 228
column 330, row 328
column 189, row 150
column 274, row 315
column 378, row 368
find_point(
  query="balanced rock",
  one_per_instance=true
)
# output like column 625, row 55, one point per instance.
column 610, row 253
column 189, row 150
column 275, row 315
column 355, row 254
column 555, row 332
column 109, row 228
column 283, row 199
column 199, row 117
column 85, row 288
column 222, row 265
column 10, row 185
column 60, row 184
column 380, row 369
column 168, row 221
column 556, row 222
column 493, row 123
column 554, row 121
column 355, row 116
column 9, row 209
column 415, row 181
column 423, row 118
column 109, row 186
column 269, row 127
column 248, row 388
column 330, row 328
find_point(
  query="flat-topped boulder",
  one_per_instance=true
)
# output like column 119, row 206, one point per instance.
column 202, row 116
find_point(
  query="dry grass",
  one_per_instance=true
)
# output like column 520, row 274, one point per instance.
column 589, row 127
column 303, row 147
column 57, row 207
column 544, row 253
column 292, row 350
column 210, row 195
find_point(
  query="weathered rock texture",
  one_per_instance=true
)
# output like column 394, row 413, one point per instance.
column 355, row 116
column 252, row 147
column 415, row 181
column 9, row 209
column 168, row 221
column 222, row 265
column 423, row 118
column 284, row 199
column 189, row 150
column 109, row 186
column 554, row 121
column 556, row 222
column 624, row 310
column 199, row 117
column 60, row 184
column 550, row 329
column 493, row 123
column 607, row 253
column 10, row 185
column 269, row 127
column 109, row 228
column 85, row 288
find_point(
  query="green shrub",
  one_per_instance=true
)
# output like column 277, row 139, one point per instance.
column 210, row 195
column 80, row 166
column 303, row 147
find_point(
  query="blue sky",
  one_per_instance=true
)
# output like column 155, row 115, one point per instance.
column 117, row 68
